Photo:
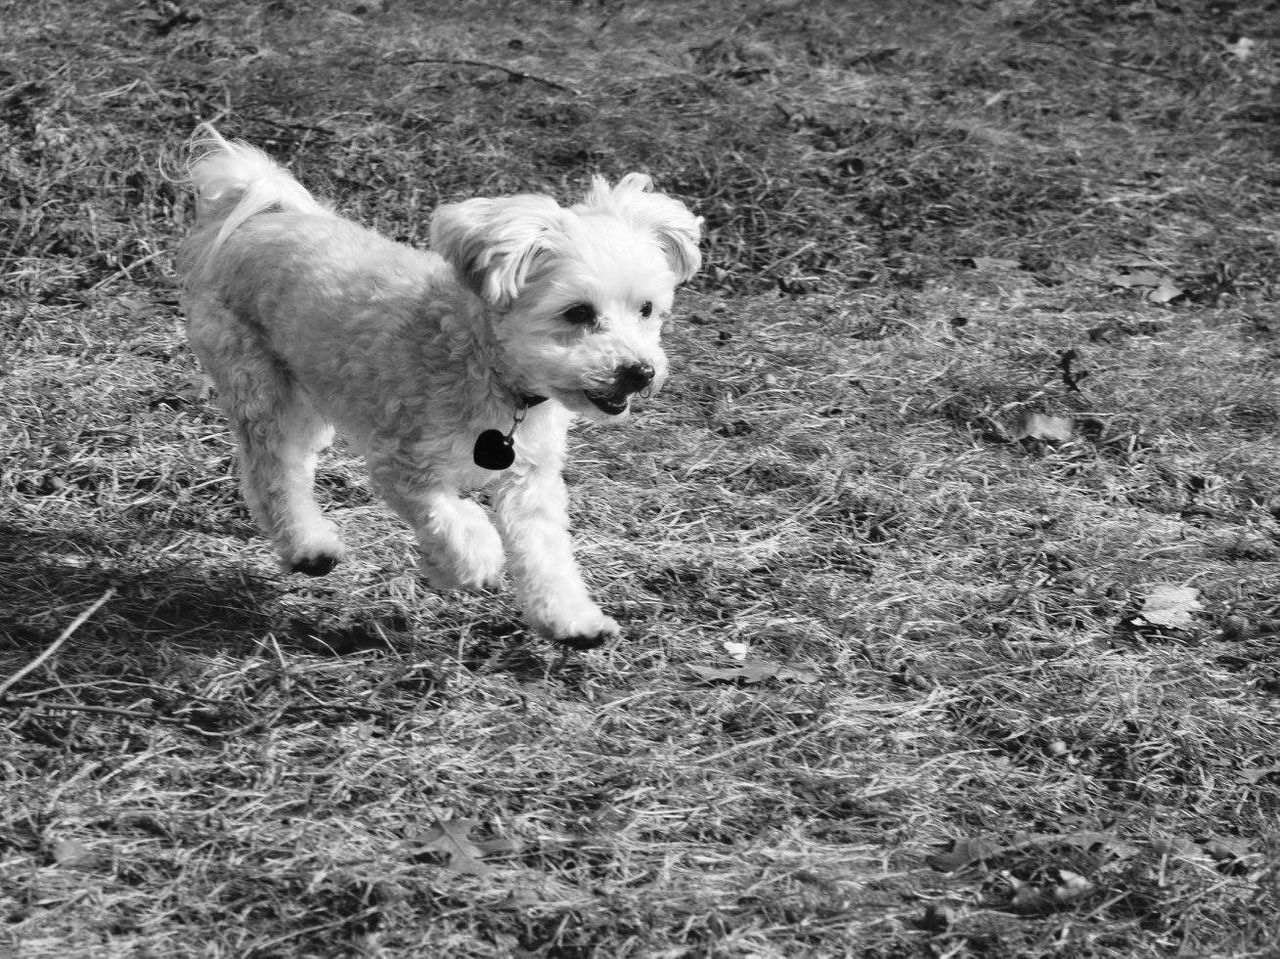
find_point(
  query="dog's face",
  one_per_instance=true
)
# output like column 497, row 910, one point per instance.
column 579, row 294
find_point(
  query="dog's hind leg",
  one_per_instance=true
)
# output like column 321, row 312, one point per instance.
column 280, row 435
column 278, row 478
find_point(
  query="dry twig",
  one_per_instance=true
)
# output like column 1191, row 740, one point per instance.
column 57, row 643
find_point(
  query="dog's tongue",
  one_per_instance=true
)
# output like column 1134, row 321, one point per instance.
column 613, row 404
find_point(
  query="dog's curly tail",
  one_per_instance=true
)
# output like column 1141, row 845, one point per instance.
column 233, row 181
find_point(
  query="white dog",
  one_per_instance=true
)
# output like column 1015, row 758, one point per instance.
column 451, row 370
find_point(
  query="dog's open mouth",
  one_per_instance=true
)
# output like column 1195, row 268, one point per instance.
column 614, row 404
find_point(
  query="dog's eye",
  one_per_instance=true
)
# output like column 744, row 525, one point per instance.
column 646, row 309
column 583, row 314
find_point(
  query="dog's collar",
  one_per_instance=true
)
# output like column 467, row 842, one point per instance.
column 495, row 450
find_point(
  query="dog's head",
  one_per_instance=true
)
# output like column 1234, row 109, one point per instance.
column 579, row 293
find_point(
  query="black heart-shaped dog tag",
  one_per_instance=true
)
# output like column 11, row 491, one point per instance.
column 494, row 450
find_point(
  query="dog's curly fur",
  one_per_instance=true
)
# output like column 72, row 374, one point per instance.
column 307, row 321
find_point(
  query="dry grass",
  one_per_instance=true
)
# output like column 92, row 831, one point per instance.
column 956, row 741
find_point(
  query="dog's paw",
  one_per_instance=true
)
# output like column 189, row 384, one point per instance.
column 313, row 550
column 584, row 642
column 315, row 564
column 585, row 634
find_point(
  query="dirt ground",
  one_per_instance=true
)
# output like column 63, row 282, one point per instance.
column 948, row 559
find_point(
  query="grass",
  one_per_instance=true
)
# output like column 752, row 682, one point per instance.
column 955, row 732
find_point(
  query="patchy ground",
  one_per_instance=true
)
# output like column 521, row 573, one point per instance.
column 949, row 556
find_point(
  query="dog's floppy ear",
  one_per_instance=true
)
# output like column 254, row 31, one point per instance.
column 493, row 244
column 667, row 219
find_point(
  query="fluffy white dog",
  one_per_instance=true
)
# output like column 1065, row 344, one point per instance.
column 450, row 370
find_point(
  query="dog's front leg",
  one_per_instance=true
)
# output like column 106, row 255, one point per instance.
column 532, row 510
column 460, row 547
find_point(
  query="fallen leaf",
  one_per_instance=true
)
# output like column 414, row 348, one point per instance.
column 737, row 651
column 1041, row 426
column 1170, row 607
column 449, row 837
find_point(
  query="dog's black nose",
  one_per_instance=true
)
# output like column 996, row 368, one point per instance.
column 634, row 377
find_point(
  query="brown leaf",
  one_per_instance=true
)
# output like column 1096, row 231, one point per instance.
column 463, row 854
